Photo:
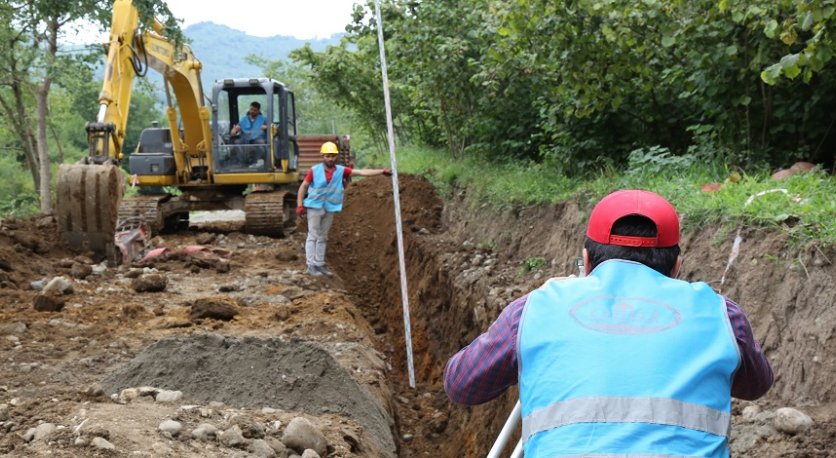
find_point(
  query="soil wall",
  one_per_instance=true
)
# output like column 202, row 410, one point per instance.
column 465, row 263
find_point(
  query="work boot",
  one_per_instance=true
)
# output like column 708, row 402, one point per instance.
column 324, row 270
column 313, row 271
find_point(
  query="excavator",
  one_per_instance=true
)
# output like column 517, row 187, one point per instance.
column 194, row 163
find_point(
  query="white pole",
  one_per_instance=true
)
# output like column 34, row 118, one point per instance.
column 394, row 165
column 506, row 432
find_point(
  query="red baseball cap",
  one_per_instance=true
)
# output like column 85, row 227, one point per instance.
column 634, row 202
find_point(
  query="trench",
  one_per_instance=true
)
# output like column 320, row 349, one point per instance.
column 463, row 264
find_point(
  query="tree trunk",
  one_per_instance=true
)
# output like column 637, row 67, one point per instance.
column 42, row 96
column 19, row 121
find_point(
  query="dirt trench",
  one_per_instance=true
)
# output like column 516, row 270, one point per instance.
column 467, row 261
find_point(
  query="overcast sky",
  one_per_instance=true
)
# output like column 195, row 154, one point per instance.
column 302, row 19
column 266, row 18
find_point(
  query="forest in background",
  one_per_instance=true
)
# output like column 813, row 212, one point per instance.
column 574, row 87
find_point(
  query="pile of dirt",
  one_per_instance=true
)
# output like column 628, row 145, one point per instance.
column 253, row 372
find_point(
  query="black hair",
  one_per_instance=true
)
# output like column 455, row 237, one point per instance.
column 661, row 260
column 256, row 104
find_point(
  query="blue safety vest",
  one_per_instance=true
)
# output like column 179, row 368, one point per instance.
column 626, row 362
column 324, row 194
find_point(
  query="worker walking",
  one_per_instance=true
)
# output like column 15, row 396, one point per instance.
column 626, row 361
column 324, row 185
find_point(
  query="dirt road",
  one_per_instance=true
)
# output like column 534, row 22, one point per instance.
column 230, row 350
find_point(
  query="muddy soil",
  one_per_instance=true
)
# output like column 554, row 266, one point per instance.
column 274, row 344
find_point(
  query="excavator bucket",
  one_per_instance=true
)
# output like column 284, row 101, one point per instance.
column 87, row 206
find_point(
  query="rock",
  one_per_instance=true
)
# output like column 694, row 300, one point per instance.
column 222, row 266
column 128, row 394
column 250, row 428
column 63, row 263
column 39, row 432
column 168, row 396
column 38, row 285
column 100, row 269
column 791, row 421
column 81, row 271
column 205, row 238
column 232, row 437
column 151, row 283
column 170, row 427
column 102, row 444
column 205, row 432
column 58, row 285
column 219, row 308
column 301, row 434
column 260, row 449
column 4, row 412
column 49, row 302
column 309, row 453
column 277, row 446
column 133, row 273
column 750, row 412
column 287, row 255
column 5, row 265
column 13, row 328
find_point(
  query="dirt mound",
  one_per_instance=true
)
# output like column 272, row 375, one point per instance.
column 28, row 248
column 253, row 372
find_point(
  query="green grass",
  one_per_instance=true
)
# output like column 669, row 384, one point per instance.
column 806, row 212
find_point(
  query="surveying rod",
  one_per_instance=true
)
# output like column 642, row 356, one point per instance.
column 396, row 198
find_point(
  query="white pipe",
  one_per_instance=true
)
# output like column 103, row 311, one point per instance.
column 505, row 434
column 399, row 229
column 518, row 451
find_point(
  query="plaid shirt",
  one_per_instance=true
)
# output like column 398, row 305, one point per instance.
column 483, row 370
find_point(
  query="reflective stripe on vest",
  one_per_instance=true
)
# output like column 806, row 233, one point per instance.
column 325, row 194
column 627, row 410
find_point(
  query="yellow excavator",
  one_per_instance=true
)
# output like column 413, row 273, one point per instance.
column 195, row 163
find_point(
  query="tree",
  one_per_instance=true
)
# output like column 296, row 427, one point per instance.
column 30, row 35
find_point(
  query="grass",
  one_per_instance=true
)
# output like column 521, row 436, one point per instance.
column 805, row 209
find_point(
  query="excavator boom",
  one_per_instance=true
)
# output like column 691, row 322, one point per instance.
column 90, row 192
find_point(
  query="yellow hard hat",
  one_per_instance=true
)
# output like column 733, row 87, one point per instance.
column 329, row 148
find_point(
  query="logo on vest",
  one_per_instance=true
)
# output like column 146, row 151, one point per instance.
column 625, row 315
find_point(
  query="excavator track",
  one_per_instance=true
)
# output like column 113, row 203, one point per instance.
column 146, row 208
column 88, row 198
column 269, row 213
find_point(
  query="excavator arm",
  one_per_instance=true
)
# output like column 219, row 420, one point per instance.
column 89, row 193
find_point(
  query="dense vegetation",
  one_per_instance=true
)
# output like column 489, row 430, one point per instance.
column 802, row 205
column 578, row 85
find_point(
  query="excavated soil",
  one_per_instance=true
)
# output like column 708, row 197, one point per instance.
column 332, row 350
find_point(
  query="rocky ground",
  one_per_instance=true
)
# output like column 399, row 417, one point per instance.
column 222, row 346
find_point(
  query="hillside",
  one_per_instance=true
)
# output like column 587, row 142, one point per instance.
column 223, row 50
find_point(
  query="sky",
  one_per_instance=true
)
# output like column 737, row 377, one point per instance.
column 303, row 19
column 265, row 18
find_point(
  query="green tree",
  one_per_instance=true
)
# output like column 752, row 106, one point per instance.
column 30, row 34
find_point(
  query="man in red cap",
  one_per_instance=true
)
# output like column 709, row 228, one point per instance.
column 625, row 361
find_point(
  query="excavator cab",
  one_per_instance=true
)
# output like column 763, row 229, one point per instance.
column 242, row 147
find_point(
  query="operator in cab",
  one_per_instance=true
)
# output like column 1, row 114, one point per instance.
column 252, row 128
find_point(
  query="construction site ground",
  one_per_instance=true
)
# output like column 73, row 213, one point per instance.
column 224, row 346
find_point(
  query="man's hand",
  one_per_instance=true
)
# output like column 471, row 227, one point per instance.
column 299, row 210
column 387, row 172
